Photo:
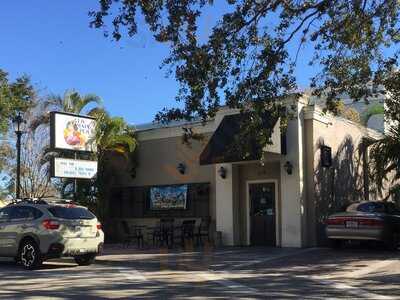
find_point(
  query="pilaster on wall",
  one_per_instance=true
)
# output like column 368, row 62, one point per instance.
column 224, row 189
column 292, row 191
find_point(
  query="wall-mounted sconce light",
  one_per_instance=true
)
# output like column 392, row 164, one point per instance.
column 288, row 167
column 181, row 168
column 222, row 172
column 326, row 156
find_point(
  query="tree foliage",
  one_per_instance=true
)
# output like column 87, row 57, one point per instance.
column 376, row 109
column 70, row 102
column 35, row 178
column 347, row 112
column 15, row 96
column 385, row 153
column 247, row 63
column 114, row 139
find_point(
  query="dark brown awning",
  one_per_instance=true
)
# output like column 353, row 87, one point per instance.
column 223, row 146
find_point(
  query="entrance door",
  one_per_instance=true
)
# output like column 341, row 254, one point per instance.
column 262, row 214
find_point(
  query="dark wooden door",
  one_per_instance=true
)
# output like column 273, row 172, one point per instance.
column 262, row 214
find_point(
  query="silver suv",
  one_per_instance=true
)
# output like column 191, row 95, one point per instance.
column 34, row 231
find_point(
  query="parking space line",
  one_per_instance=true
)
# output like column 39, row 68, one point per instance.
column 271, row 258
column 221, row 280
column 131, row 274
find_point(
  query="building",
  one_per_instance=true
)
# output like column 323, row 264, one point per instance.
column 313, row 169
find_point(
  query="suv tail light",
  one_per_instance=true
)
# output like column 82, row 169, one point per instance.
column 51, row 224
column 98, row 226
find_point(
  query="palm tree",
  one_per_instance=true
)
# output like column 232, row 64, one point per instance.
column 385, row 156
column 385, row 153
column 114, row 139
column 70, row 102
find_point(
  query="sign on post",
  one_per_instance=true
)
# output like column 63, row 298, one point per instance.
column 74, row 168
column 72, row 132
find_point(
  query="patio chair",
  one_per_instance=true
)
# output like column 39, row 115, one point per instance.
column 204, row 230
column 132, row 235
column 155, row 234
column 187, row 231
column 167, row 231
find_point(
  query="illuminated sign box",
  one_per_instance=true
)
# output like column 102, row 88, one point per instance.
column 72, row 132
column 74, row 168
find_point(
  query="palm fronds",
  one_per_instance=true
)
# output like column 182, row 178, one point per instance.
column 385, row 159
column 70, row 102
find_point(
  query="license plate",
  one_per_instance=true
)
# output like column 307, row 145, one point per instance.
column 351, row 224
column 75, row 228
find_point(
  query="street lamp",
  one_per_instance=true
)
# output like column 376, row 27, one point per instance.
column 19, row 126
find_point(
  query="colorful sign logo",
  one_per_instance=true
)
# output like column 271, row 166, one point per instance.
column 71, row 132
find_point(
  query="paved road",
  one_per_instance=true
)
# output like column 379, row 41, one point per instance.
column 235, row 273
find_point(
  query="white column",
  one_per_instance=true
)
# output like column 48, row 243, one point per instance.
column 224, row 203
column 292, row 185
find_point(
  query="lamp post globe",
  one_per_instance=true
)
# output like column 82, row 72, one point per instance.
column 19, row 127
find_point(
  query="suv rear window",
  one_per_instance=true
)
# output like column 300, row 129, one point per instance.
column 71, row 213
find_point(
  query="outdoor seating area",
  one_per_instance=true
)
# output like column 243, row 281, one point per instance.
column 167, row 232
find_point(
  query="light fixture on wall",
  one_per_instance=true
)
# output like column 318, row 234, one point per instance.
column 181, row 168
column 222, row 172
column 288, row 167
column 132, row 172
column 326, row 156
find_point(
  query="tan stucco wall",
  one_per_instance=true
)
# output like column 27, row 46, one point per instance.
column 329, row 189
column 158, row 160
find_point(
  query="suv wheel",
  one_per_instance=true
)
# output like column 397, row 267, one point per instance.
column 29, row 255
column 85, row 260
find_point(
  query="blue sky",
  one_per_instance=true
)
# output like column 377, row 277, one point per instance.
column 51, row 41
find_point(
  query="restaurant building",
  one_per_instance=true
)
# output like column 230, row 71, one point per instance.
column 316, row 166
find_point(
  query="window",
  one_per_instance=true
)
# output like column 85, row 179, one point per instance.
column 71, row 213
column 5, row 214
column 372, row 207
column 26, row 213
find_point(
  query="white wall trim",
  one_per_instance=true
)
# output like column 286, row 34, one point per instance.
column 277, row 213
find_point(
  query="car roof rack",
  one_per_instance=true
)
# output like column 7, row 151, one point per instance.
column 54, row 200
column 28, row 201
column 43, row 201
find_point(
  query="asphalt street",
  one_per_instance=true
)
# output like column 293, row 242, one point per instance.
column 231, row 273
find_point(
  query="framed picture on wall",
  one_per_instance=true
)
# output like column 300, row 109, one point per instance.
column 168, row 197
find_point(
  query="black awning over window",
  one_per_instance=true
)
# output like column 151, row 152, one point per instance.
column 224, row 145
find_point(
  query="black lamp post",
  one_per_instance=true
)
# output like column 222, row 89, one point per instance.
column 19, row 123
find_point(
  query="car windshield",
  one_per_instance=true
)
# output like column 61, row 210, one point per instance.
column 71, row 213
